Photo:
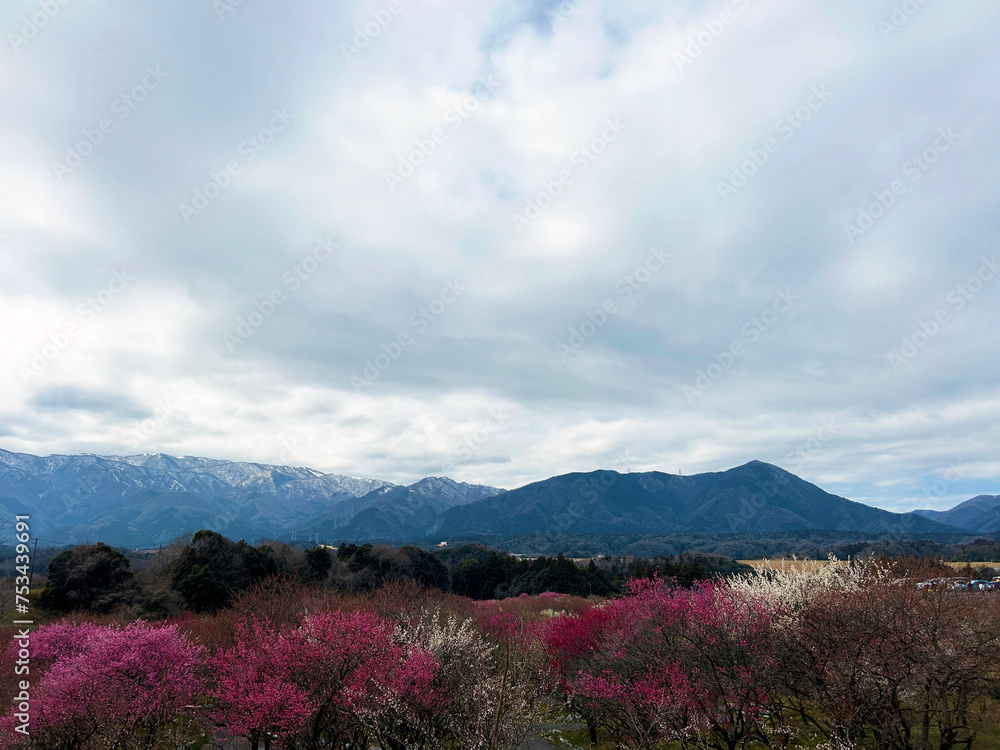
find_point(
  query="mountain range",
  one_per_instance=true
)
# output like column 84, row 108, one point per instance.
column 980, row 514
column 753, row 498
column 153, row 499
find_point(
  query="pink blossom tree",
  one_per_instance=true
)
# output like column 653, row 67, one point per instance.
column 110, row 688
column 365, row 682
column 255, row 689
column 666, row 663
column 340, row 679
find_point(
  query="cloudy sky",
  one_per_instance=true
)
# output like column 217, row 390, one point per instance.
column 508, row 239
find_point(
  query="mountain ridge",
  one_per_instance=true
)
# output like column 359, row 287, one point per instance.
column 754, row 497
column 154, row 498
column 980, row 514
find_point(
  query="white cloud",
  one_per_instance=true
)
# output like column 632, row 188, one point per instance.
column 655, row 185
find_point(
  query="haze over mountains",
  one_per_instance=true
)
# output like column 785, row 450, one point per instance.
column 151, row 499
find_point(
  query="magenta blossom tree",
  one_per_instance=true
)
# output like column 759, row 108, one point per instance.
column 111, row 688
column 667, row 663
column 255, row 689
column 366, row 682
column 340, row 679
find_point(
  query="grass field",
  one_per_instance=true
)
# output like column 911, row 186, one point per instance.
column 974, row 565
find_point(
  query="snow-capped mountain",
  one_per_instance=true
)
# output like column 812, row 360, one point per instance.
column 149, row 499
column 395, row 512
column 145, row 500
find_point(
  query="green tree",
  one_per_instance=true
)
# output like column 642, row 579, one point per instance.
column 213, row 567
column 93, row 578
column 468, row 579
column 319, row 562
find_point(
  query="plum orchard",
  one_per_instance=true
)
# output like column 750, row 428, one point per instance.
column 837, row 657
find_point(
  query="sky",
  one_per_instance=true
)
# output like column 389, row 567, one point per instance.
column 510, row 239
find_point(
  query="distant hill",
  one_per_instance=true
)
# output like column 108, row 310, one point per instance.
column 394, row 512
column 755, row 497
column 981, row 514
column 151, row 499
